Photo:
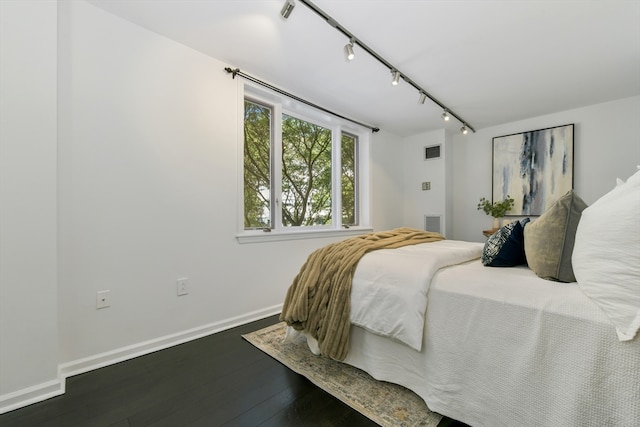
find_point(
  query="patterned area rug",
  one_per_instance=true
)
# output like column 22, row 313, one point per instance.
column 387, row 404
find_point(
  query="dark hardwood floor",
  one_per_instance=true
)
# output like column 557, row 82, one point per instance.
column 219, row 380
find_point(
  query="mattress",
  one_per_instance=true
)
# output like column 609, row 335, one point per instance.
column 502, row 347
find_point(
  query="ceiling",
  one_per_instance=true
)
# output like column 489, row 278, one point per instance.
column 491, row 62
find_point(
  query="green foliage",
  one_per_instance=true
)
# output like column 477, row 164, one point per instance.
column 257, row 165
column 348, row 180
column 306, row 173
column 496, row 209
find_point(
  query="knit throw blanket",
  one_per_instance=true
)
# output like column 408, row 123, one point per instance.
column 318, row 301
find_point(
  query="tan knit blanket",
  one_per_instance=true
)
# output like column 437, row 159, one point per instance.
column 318, row 301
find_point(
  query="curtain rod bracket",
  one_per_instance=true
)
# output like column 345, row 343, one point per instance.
column 233, row 72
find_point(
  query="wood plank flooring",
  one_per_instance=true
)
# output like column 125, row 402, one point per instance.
column 219, row 380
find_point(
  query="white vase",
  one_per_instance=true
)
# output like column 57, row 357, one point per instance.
column 496, row 223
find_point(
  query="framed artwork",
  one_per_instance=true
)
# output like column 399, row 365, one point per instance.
column 535, row 168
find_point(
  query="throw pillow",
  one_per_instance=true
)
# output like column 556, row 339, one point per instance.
column 549, row 240
column 505, row 248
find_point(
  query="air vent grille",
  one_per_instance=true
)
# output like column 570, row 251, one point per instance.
column 432, row 223
column 432, row 152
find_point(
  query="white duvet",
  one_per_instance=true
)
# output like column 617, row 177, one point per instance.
column 503, row 347
column 390, row 287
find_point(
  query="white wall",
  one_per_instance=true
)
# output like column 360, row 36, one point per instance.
column 436, row 201
column 387, row 181
column 147, row 193
column 28, row 231
column 606, row 146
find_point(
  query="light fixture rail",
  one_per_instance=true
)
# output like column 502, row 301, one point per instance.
column 236, row 72
column 355, row 40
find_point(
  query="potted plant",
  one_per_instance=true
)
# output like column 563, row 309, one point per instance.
column 496, row 209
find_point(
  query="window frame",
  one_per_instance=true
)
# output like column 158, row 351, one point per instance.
column 279, row 105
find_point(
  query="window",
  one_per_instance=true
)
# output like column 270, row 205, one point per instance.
column 257, row 165
column 348, row 180
column 306, row 173
column 300, row 173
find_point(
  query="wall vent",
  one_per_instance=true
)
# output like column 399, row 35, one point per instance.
column 432, row 152
column 432, row 223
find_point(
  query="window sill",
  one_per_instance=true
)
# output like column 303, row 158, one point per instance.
column 278, row 236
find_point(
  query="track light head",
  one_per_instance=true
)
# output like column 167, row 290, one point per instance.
column 396, row 77
column 287, row 8
column 445, row 116
column 348, row 50
column 464, row 129
column 423, row 97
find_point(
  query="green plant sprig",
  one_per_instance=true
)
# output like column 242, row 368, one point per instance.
column 496, row 209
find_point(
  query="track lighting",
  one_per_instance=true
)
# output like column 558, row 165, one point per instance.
column 287, row 8
column 348, row 50
column 396, row 77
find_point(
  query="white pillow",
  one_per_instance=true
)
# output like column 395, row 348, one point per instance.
column 606, row 256
column 635, row 178
column 620, row 188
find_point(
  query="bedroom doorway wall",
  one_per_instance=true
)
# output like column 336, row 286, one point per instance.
column 427, row 161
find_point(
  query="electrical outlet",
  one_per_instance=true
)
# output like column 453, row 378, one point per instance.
column 103, row 299
column 182, row 286
column 426, row 185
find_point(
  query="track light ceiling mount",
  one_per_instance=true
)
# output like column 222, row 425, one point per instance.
column 287, row 8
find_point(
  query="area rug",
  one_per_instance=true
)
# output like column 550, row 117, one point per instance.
column 387, row 404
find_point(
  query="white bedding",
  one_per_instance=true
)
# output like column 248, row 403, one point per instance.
column 390, row 286
column 502, row 347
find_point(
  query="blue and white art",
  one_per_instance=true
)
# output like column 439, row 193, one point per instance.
column 535, row 168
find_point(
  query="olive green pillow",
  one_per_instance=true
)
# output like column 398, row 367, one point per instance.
column 548, row 241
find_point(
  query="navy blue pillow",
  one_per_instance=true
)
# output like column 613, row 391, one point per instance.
column 505, row 248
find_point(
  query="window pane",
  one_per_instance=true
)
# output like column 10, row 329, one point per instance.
column 257, row 165
column 306, row 173
column 348, row 180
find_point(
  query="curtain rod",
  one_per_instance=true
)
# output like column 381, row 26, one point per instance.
column 333, row 23
column 236, row 72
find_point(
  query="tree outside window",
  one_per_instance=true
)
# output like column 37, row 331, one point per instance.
column 306, row 173
column 257, row 166
column 348, row 180
column 307, row 196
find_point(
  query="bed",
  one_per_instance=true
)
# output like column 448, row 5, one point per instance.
column 508, row 346
column 532, row 353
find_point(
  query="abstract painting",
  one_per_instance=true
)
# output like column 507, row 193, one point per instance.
column 535, row 168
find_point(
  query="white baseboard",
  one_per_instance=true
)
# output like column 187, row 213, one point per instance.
column 30, row 395
column 40, row 392
column 125, row 353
